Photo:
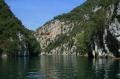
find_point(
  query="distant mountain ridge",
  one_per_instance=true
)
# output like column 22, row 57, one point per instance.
column 15, row 39
column 92, row 29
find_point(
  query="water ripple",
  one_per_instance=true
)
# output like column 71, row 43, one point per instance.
column 34, row 75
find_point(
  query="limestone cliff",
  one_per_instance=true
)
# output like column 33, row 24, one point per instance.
column 91, row 29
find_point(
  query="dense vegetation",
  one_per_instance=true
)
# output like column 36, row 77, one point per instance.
column 10, row 26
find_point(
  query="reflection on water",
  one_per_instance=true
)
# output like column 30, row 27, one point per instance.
column 59, row 67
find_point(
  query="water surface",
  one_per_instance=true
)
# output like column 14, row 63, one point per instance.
column 59, row 67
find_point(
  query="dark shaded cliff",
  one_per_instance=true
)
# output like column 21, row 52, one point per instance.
column 15, row 39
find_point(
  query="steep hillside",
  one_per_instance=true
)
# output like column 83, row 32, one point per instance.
column 15, row 39
column 91, row 29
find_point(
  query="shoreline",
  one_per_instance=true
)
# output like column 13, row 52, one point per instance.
column 112, row 57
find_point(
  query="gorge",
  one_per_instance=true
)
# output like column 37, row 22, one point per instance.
column 81, row 44
column 91, row 29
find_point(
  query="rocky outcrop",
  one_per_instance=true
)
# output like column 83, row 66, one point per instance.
column 110, row 44
column 23, row 46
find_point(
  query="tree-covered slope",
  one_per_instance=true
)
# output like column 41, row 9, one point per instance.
column 15, row 39
column 91, row 29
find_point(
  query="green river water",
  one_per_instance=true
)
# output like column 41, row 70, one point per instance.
column 59, row 67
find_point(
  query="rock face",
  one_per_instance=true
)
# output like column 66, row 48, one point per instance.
column 50, row 35
column 92, row 29
column 15, row 39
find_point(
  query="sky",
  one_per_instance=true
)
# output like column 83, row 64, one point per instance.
column 34, row 13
